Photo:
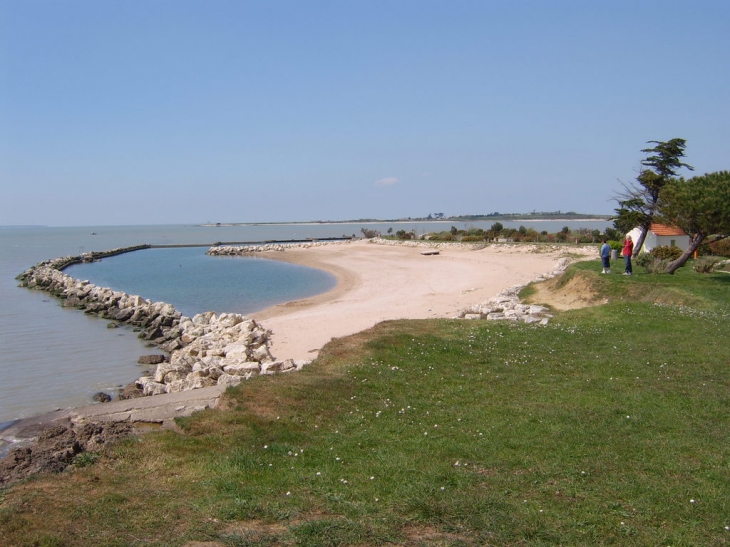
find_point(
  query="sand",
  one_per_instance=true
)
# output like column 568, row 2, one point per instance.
column 375, row 283
column 382, row 282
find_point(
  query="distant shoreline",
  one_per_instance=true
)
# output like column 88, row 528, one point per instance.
column 401, row 221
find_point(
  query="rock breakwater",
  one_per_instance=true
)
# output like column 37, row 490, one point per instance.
column 205, row 350
column 243, row 250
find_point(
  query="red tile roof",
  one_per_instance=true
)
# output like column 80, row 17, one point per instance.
column 664, row 230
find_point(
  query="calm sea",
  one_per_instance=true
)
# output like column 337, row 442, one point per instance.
column 55, row 358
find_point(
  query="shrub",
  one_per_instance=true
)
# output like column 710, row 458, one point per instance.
column 705, row 264
column 615, row 245
column 472, row 238
column 644, row 259
column 651, row 263
column 402, row 234
column 721, row 248
column 441, row 236
column 657, row 265
column 666, row 252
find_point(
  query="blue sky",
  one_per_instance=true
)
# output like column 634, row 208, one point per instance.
column 178, row 111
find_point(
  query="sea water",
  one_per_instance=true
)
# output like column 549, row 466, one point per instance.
column 53, row 357
column 194, row 282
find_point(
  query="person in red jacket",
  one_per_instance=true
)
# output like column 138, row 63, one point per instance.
column 627, row 251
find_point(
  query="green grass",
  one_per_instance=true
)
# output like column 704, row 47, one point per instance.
column 608, row 426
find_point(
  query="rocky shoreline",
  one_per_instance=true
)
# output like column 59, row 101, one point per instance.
column 244, row 250
column 206, row 352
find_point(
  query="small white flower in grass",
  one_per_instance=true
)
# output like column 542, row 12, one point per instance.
column 425, row 433
column 628, row 417
column 443, row 488
column 318, row 473
column 266, row 446
column 288, row 493
column 692, row 501
column 372, row 478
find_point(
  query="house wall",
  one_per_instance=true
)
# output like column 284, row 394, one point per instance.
column 652, row 240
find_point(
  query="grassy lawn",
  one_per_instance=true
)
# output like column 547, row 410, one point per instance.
column 609, row 426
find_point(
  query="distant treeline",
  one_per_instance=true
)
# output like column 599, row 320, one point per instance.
column 542, row 215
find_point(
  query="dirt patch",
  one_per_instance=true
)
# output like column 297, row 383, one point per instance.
column 255, row 532
column 428, row 535
column 575, row 293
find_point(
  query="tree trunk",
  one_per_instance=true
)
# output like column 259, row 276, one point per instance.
column 694, row 244
column 640, row 243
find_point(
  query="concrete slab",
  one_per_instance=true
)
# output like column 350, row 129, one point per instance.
column 157, row 409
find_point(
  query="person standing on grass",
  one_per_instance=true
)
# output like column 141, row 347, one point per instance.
column 606, row 256
column 627, row 252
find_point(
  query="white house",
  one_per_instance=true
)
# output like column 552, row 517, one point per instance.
column 661, row 235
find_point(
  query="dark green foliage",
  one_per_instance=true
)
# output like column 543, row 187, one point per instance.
column 638, row 203
column 666, row 252
column 613, row 234
column 644, row 259
column 700, row 206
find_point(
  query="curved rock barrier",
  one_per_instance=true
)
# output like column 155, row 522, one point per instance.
column 205, row 350
column 242, row 250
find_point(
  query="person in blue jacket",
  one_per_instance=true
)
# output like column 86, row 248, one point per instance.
column 606, row 256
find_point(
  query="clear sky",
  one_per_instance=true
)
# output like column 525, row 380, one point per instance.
column 179, row 111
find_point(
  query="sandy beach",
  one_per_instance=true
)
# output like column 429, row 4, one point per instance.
column 382, row 282
column 375, row 282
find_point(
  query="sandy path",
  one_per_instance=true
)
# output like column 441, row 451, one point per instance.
column 380, row 282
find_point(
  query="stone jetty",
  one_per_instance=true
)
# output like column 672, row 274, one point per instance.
column 243, row 250
column 206, row 350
